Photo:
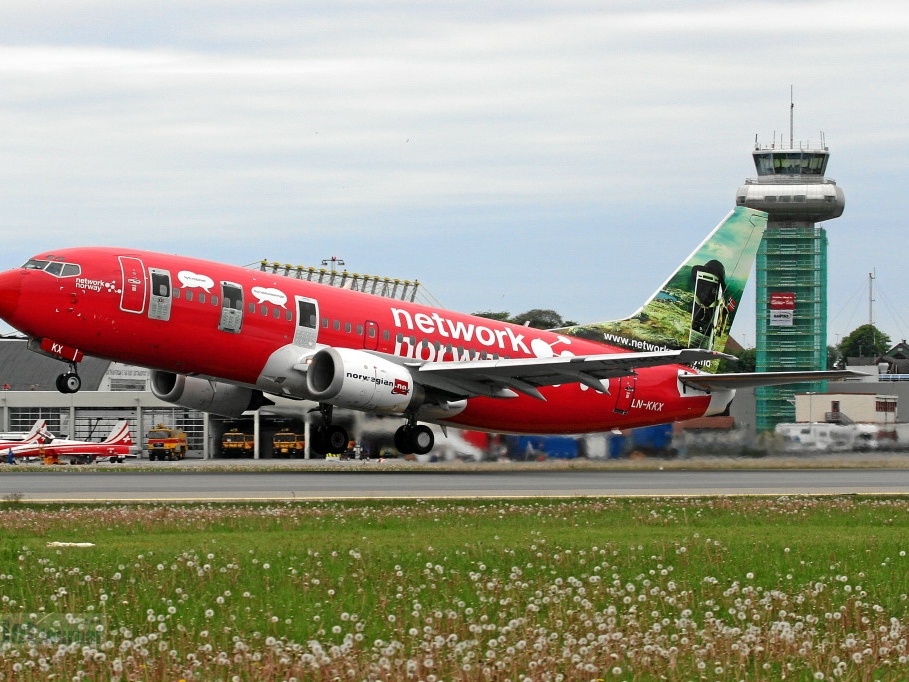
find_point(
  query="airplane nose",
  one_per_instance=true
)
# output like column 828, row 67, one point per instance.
column 10, row 288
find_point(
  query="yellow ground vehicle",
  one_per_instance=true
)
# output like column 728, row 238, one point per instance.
column 286, row 443
column 235, row 443
column 165, row 444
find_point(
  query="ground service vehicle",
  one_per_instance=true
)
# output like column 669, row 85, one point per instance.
column 235, row 443
column 286, row 443
column 166, row 444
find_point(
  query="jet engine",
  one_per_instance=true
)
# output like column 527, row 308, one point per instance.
column 195, row 393
column 361, row 381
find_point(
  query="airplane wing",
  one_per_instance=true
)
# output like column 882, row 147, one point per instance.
column 711, row 382
column 507, row 377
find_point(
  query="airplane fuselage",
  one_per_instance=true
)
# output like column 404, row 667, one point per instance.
column 257, row 330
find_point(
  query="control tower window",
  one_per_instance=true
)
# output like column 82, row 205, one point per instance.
column 790, row 163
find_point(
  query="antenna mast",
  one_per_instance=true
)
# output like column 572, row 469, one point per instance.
column 871, row 297
column 791, row 117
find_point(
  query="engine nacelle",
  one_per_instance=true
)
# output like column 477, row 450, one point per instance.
column 195, row 393
column 361, row 381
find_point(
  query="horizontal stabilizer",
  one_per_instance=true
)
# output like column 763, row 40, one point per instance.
column 714, row 382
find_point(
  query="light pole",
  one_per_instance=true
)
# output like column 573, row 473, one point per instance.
column 334, row 261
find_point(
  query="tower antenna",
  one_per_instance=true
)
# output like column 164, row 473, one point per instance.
column 791, row 116
column 871, row 278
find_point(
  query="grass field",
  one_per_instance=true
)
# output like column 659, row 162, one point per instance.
column 587, row 589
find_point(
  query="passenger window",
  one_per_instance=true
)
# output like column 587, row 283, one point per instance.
column 252, row 307
column 201, row 297
column 189, row 295
column 360, row 330
column 177, row 293
column 263, row 309
column 276, row 313
column 347, row 327
column 337, row 325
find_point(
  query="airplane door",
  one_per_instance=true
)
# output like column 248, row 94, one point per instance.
column 307, row 322
column 231, row 307
column 159, row 301
column 625, row 394
column 371, row 337
column 132, row 293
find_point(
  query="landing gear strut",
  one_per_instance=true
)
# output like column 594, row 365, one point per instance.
column 70, row 382
column 327, row 437
column 414, row 439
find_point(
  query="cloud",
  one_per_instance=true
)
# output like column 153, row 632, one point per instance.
column 575, row 136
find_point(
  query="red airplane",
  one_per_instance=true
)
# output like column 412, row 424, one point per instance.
column 220, row 338
column 118, row 445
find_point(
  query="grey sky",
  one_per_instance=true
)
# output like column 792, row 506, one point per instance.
column 510, row 155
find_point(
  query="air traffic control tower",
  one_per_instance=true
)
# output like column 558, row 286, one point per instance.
column 791, row 270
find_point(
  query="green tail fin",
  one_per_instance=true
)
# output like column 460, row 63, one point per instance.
column 695, row 307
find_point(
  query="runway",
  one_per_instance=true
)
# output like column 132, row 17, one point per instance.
column 123, row 485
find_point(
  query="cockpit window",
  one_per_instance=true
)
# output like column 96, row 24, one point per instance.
column 53, row 267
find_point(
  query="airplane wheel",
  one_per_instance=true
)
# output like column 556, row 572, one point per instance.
column 69, row 383
column 403, row 442
column 336, row 439
column 421, row 439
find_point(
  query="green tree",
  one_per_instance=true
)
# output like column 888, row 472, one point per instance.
column 747, row 357
column 503, row 316
column 866, row 341
column 542, row 319
column 537, row 318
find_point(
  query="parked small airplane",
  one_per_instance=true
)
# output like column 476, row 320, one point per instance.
column 220, row 338
column 116, row 447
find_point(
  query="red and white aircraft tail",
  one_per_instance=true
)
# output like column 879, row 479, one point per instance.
column 38, row 433
column 119, row 434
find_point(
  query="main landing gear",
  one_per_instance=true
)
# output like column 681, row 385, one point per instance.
column 414, row 439
column 327, row 437
column 69, row 382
